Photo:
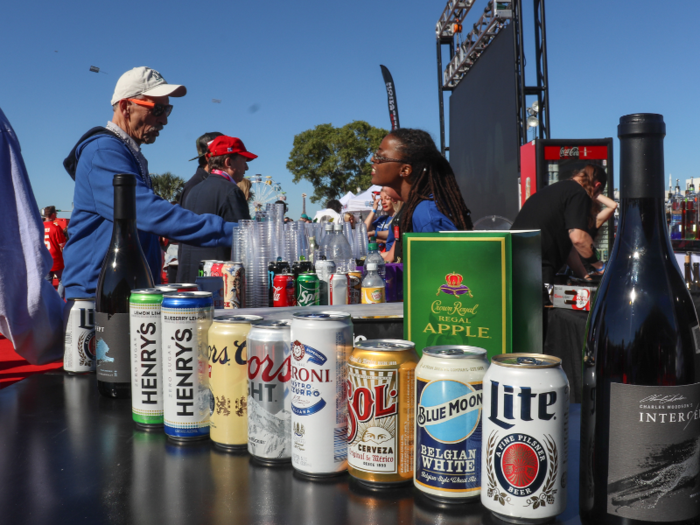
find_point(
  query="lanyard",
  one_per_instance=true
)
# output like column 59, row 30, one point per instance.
column 223, row 174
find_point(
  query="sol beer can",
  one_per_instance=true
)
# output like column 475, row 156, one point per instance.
column 228, row 371
column 381, row 408
column 234, row 285
column 79, row 349
column 321, row 345
column 269, row 396
column 524, row 448
column 449, row 398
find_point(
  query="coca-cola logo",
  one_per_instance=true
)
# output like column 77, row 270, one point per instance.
column 269, row 373
column 569, row 152
column 277, row 292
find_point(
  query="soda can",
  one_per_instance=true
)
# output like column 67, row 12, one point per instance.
column 324, row 270
column 307, row 289
column 269, row 396
column 185, row 320
column 234, row 285
column 523, row 461
column 355, row 287
column 339, row 289
column 146, row 358
column 449, row 398
column 216, row 269
column 166, row 288
column 200, row 269
column 206, row 268
column 321, row 345
column 228, row 371
column 283, row 291
column 184, row 287
column 79, row 343
column 381, row 408
column 214, row 285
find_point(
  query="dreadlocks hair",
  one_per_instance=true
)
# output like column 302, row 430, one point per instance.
column 432, row 175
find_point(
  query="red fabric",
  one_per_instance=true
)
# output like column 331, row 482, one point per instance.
column 14, row 368
column 55, row 240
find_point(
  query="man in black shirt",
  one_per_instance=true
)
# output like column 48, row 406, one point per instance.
column 562, row 211
column 201, row 158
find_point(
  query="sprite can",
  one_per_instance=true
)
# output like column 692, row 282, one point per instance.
column 307, row 289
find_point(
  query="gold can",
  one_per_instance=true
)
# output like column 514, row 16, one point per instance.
column 228, row 380
column 355, row 287
column 381, row 411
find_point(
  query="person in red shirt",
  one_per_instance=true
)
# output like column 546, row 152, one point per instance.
column 55, row 240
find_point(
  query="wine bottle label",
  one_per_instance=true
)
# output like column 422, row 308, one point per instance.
column 112, row 334
column 654, row 452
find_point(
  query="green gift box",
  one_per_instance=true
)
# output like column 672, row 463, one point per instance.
column 479, row 288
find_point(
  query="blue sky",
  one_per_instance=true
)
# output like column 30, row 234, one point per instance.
column 280, row 68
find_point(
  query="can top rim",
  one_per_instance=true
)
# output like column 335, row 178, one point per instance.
column 189, row 295
column 455, row 352
column 83, row 299
column 147, row 291
column 322, row 316
column 178, row 285
column 277, row 324
column 236, row 319
column 518, row 360
column 385, row 345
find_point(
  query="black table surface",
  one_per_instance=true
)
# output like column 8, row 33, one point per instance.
column 70, row 456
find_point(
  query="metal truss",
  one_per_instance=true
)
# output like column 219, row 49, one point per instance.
column 451, row 19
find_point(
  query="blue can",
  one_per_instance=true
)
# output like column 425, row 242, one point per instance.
column 187, row 400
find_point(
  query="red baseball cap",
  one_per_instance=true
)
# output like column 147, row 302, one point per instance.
column 224, row 145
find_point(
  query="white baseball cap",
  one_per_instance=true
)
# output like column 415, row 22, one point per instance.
column 145, row 81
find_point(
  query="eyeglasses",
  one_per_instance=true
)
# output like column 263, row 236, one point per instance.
column 156, row 109
column 378, row 159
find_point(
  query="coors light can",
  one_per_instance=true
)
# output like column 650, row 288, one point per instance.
column 523, row 461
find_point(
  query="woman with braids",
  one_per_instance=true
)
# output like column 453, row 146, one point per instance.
column 408, row 162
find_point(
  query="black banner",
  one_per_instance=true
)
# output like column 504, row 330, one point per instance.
column 391, row 98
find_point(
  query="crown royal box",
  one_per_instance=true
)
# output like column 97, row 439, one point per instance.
column 478, row 288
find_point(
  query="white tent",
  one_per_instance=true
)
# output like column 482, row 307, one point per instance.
column 362, row 201
column 344, row 200
column 329, row 212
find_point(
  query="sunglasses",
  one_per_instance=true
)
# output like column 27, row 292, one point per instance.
column 156, row 109
column 378, row 159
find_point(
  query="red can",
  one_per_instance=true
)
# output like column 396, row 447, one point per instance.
column 216, row 269
column 184, row 287
column 283, row 290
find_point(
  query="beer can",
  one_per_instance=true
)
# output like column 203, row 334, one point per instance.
column 324, row 270
column 146, row 358
column 206, row 268
column 200, row 269
column 166, row 288
column 307, row 289
column 448, row 422
column 381, row 408
column 339, row 289
column 523, row 461
column 283, row 291
column 185, row 320
column 355, row 287
column 228, row 371
column 269, row 396
column 184, row 287
column 79, row 343
column 216, row 269
column 214, row 285
column 321, row 345
column 234, row 285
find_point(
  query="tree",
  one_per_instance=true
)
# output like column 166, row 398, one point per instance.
column 167, row 186
column 335, row 160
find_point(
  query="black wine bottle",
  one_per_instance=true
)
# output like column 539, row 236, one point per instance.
column 640, row 423
column 124, row 268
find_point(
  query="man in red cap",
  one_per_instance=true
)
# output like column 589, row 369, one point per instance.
column 220, row 195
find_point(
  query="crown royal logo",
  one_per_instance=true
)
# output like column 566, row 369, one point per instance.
column 454, row 286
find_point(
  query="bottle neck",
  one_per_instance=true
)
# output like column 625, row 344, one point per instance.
column 642, row 229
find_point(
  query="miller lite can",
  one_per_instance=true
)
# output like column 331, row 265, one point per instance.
column 79, row 349
column 321, row 345
column 449, row 401
column 524, row 448
column 381, row 408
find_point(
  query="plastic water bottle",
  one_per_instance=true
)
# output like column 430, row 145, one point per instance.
column 326, row 240
column 373, row 287
column 340, row 251
column 373, row 256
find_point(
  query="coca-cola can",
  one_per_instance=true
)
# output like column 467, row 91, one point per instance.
column 234, row 284
column 324, row 270
column 206, row 268
column 269, row 397
column 283, row 292
column 216, row 268
column 524, row 447
column 339, row 289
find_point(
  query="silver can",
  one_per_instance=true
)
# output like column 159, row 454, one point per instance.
column 339, row 292
column 321, row 345
column 79, row 343
column 214, row 285
column 449, row 397
column 523, row 464
column 206, row 270
column 324, row 270
column 234, row 285
column 269, row 395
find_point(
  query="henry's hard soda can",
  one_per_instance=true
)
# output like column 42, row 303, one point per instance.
column 523, row 461
column 228, row 380
column 381, row 406
column 283, row 294
column 79, row 349
column 321, row 344
column 146, row 358
column 234, row 285
column 448, row 422
column 269, row 396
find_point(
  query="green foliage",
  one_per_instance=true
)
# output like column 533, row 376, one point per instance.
column 167, row 186
column 335, row 160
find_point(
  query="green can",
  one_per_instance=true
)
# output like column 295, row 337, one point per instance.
column 307, row 289
column 146, row 358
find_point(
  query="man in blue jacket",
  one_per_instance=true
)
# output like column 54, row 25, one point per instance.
column 141, row 109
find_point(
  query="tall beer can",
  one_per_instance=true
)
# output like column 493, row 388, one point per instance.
column 234, row 285
column 449, row 397
column 228, row 371
column 355, row 287
column 269, row 396
column 79, row 343
column 146, row 358
column 321, row 345
column 324, row 270
column 216, row 269
column 381, row 408
column 523, row 461
column 339, row 289
column 185, row 320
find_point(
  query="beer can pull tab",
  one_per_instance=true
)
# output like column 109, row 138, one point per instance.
column 528, row 361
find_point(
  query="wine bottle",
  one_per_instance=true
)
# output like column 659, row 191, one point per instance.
column 640, row 425
column 124, row 268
